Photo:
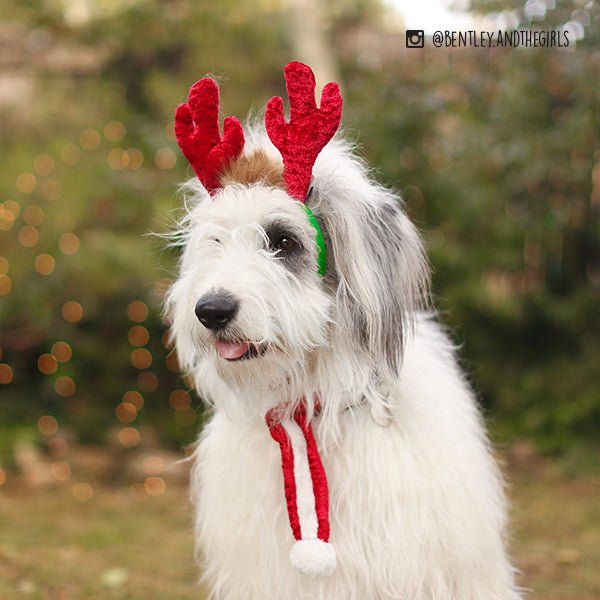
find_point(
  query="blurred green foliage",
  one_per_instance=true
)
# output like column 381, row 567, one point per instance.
column 496, row 152
column 499, row 158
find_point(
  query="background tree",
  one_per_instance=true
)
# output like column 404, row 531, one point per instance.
column 496, row 152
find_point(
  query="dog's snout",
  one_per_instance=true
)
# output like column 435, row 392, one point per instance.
column 215, row 310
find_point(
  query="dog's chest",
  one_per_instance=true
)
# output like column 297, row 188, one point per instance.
column 242, row 520
column 238, row 469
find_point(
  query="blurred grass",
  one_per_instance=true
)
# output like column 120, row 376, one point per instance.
column 53, row 546
column 556, row 531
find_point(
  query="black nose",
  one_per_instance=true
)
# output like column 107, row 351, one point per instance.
column 216, row 309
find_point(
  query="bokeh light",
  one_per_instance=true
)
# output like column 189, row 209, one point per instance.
column 141, row 358
column 136, row 158
column 154, row 486
column 180, row 400
column 47, row 364
column 7, row 220
column 68, row 243
column 138, row 335
column 3, row 265
column 6, row 374
column 60, row 470
column 2, row 476
column 165, row 158
column 129, row 437
column 172, row 362
column 72, row 311
column 89, row 139
column 114, row 131
column 28, row 236
column 47, row 425
column 43, row 164
column 10, row 210
column 82, row 491
column 117, row 158
column 64, row 386
column 58, row 447
column 26, row 182
column 62, row 351
column 147, row 382
column 44, row 264
column 13, row 206
column 134, row 398
column 126, row 412
column 137, row 311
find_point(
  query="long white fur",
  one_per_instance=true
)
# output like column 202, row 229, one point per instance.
column 417, row 507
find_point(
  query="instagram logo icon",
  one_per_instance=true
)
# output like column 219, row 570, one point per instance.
column 415, row 38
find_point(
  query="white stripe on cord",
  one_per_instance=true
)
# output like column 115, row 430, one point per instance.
column 305, row 496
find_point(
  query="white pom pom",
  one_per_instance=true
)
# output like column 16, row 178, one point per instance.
column 313, row 557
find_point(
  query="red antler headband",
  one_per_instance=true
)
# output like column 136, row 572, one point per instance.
column 197, row 132
column 309, row 128
column 300, row 140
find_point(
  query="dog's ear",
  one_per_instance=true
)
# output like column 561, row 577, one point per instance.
column 377, row 266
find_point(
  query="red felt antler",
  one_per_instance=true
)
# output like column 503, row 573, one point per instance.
column 197, row 132
column 309, row 128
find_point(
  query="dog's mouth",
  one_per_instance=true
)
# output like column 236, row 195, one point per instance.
column 234, row 350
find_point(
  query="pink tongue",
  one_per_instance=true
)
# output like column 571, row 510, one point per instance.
column 231, row 350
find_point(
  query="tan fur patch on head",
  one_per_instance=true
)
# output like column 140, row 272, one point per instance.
column 257, row 167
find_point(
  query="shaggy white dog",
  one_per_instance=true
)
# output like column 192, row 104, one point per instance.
column 416, row 502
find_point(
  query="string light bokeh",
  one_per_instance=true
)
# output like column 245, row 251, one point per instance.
column 48, row 245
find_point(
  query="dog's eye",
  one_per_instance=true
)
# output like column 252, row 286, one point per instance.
column 216, row 240
column 285, row 244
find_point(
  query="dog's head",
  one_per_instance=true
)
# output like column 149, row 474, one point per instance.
column 278, row 294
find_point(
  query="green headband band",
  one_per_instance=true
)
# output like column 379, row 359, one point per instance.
column 321, row 251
